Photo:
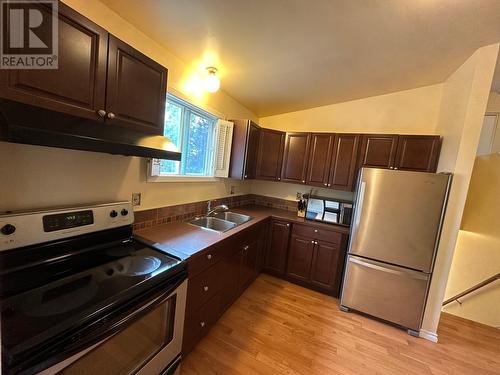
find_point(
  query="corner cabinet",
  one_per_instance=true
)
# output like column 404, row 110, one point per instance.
column 99, row 77
column 277, row 247
column 270, row 154
column 244, row 150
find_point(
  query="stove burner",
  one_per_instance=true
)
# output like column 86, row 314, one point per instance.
column 137, row 265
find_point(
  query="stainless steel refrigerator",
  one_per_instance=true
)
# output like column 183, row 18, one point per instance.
column 394, row 238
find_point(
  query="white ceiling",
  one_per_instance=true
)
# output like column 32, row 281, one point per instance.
column 278, row 56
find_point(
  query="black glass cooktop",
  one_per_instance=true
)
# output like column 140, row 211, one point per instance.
column 41, row 301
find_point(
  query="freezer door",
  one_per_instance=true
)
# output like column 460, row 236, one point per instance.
column 398, row 216
column 387, row 292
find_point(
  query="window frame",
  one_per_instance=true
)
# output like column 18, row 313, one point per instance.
column 188, row 109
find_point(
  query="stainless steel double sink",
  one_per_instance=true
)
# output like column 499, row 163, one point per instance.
column 221, row 221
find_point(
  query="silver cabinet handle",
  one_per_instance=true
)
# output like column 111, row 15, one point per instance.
column 395, row 167
column 312, row 241
column 329, row 185
column 205, row 288
column 245, row 176
column 303, row 181
column 245, row 247
column 209, row 256
column 101, row 113
column 316, row 243
column 202, row 324
column 315, row 231
column 279, row 179
column 288, row 225
column 111, row 115
column 325, row 184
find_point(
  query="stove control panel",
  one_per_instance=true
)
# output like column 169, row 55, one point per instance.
column 27, row 228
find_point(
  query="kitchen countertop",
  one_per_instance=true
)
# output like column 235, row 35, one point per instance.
column 184, row 240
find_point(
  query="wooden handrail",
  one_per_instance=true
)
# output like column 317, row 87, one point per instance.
column 474, row 288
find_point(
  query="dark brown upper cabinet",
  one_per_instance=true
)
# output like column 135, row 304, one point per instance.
column 136, row 89
column 295, row 157
column 244, row 150
column 270, row 154
column 343, row 167
column 320, row 156
column 78, row 86
column 378, row 150
column 418, row 153
column 98, row 77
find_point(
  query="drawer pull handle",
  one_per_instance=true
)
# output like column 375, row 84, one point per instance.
column 202, row 324
column 245, row 247
column 209, row 256
column 205, row 288
column 315, row 231
column 312, row 241
column 288, row 225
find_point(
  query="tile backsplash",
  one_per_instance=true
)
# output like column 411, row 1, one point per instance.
column 183, row 212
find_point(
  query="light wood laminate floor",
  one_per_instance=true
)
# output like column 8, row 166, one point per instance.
column 277, row 327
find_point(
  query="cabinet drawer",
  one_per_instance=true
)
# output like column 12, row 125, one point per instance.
column 202, row 287
column 198, row 323
column 204, row 260
column 317, row 233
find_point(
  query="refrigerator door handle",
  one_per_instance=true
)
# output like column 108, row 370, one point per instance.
column 389, row 269
column 359, row 203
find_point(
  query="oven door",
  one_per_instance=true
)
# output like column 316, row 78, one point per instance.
column 148, row 345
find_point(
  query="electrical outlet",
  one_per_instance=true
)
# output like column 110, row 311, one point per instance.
column 299, row 195
column 136, row 199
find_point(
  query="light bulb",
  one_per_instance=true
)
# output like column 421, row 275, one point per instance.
column 211, row 82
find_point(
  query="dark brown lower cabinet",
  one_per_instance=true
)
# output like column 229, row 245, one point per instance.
column 314, row 262
column 214, row 286
column 277, row 247
column 300, row 256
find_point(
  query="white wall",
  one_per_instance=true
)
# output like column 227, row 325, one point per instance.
column 465, row 96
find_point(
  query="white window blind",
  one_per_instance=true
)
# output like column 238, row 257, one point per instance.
column 223, row 143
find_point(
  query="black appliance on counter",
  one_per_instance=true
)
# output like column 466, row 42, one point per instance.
column 77, row 286
column 329, row 210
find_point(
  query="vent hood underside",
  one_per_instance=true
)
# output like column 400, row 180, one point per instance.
column 21, row 123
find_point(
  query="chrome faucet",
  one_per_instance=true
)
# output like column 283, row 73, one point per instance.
column 221, row 207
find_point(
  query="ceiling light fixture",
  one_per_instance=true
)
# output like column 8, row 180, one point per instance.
column 212, row 82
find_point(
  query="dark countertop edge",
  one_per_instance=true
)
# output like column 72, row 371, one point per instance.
column 272, row 214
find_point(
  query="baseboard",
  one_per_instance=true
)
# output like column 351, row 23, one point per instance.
column 431, row 336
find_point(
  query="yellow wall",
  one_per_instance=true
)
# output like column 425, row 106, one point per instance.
column 493, row 102
column 406, row 112
column 40, row 176
column 477, row 254
column 465, row 95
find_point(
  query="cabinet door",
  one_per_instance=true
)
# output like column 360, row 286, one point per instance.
column 378, row 151
column 78, row 86
column 300, row 256
column 325, row 265
column 277, row 247
column 230, row 278
column 418, row 153
column 270, row 155
column 136, row 89
column 251, row 150
column 343, row 169
column 320, row 157
column 295, row 157
column 249, row 264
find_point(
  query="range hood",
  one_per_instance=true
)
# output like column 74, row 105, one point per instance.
column 22, row 123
